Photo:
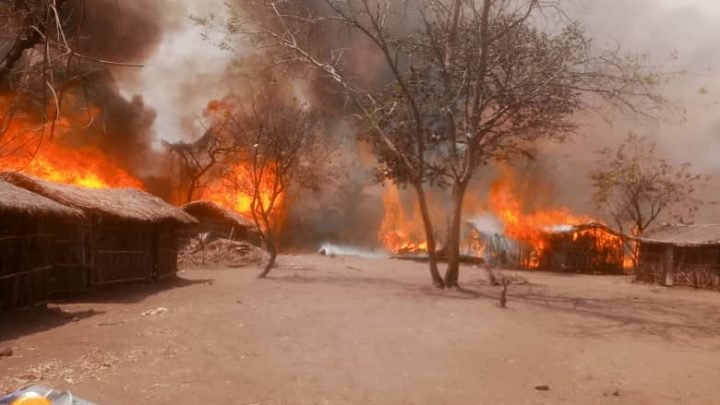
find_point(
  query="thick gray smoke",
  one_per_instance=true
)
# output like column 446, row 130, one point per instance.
column 183, row 72
column 680, row 36
column 126, row 32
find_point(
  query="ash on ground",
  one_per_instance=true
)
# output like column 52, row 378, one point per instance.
column 200, row 253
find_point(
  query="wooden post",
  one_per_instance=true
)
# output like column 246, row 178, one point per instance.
column 669, row 265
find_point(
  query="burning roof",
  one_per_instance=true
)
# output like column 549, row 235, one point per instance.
column 684, row 235
column 122, row 204
column 17, row 200
column 571, row 229
column 209, row 208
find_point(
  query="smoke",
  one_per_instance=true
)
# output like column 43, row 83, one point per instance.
column 184, row 68
column 125, row 32
column 347, row 210
column 676, row 36
column 140, row 106
column 187, row 69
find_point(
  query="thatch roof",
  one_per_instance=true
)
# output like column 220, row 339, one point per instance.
column 684, row 235
column 126, row 204
column 16, row 200
column 569, row 229
column 210, row 209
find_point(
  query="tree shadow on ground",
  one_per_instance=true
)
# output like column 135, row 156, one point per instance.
column 21, row 323
column 14, row 324
column 131, row 292
column 668, row 318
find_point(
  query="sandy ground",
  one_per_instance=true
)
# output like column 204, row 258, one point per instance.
column 358, row 331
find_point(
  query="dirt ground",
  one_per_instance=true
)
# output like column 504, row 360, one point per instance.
column 326, row 330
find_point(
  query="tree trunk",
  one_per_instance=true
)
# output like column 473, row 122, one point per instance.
column 272, row 250
column 190, row 192
column 437, row 280
column 669, row 266
column 452, row 243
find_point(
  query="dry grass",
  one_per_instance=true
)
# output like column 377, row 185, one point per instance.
column 221, row 252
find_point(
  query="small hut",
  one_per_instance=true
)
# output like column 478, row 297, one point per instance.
column 219, row 222
column 27, row 246
column 584, row 248
column 687, row 255
column 129, row 235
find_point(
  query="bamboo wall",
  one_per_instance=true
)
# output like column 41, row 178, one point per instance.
column 25, row 263
column 592, row 251
column 47, row 259
column 692, row 266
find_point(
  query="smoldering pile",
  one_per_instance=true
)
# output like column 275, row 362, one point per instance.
column 203, row 253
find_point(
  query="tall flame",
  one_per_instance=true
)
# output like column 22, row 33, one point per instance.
column 538, row 232
column 235, row 192
column 524, row 227
column 398, row 232
column 26, row 151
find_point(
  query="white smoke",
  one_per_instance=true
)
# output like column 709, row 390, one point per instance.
column 186, row 71
column 331, row 249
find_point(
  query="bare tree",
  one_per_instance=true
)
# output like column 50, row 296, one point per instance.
column 196, row 161
column 496, row 84
column 470, row 82
column 291, row 29
column 635, row 187
column 278, row 150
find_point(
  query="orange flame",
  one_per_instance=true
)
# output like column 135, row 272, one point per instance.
column 527, row 228
column 399, row 233
column 235, row 192
column 474, row 244
column 50, row 160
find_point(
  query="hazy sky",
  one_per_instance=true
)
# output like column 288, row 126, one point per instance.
column 680, row 35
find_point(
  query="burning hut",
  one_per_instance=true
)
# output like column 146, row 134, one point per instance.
column 584, row 248
column 687, row 255
column 128, row 235
column 26, row 245
column 219, row 222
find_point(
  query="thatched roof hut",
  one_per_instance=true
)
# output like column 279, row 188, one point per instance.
column 19, row 201
column 683, row 235
column 681, row 255
column 219, row 222
column 210, row 209
column 582, row 248
column 26, row 248
column 125, row 235
column 124, row 204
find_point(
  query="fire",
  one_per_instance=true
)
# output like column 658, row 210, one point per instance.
column 474, row 244
column 399, row 233
column 85, row 167
column 49, row 159
column 528, row 228
column 235, row 192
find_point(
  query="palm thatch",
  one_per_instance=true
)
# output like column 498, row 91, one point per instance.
column 17, row 200
column 210, row 209
column 124, row 204
column 683, row 235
